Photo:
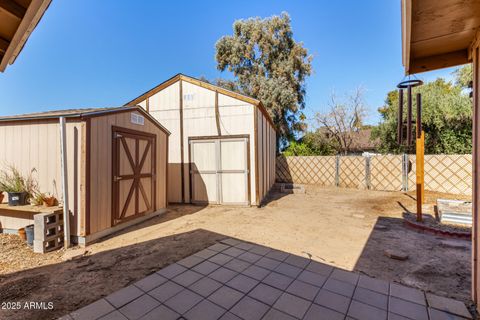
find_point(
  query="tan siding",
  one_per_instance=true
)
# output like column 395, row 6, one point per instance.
column 36, row 144
column 101, row 166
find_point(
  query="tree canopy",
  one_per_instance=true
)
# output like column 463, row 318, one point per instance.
column 446, row 117
column 269, row 65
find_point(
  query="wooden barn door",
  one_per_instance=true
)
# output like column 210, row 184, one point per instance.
column 133, row 172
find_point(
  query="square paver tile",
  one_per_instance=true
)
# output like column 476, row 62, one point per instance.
column 265, row 294
column 442, row 315
column 345, row 276
column 393, row 316
column 288, row 270
column 333, row 301
column 139, row 307
column 244, row 246
column 187, row 278
column 93, row 311
column 242, row 283
column 205, row 310
column 206, row 267
column 249, row 309
column 363, row 311
column 407, row 309
column 268, row 263
column 230, row 316
column 249, row 257
column 273, row 314
column 220, row 259
column 320, row 268
column 231, row 241
column 234, row 252
column 123, row 296
column 165, row 291
column 277, row 255
column 205, row 286
column 190, row 261
column 297, row 261
column 161, row 312
column 406, row 293
column 237, row 265
column 172, row 271
column 377, row 285
column 222, row 275
column 292, row 305
column 115, row 315
column 261, row 250
column 448, row 305
column 183, row 301
column 150, row 282
column 313, row 278
column 206, row 253
column 340, row 287
column 226, row 297
column 303, row 290
column 218, row 247
column 256, row 272
column 371, row 297
column 278, row 280
column 321, row 313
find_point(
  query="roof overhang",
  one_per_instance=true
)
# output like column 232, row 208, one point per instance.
column 18, row 19
column 437, row 34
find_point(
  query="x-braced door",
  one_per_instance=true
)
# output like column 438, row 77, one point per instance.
column 133, row 171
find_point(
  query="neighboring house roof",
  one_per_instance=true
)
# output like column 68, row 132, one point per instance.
column 79, row 113
column 362, row 141
column 18, row 19
column 437, row 34
column 205, row 85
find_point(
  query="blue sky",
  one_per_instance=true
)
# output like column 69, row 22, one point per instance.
column 90, row 53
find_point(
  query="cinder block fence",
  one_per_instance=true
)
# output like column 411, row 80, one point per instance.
column 443, row 173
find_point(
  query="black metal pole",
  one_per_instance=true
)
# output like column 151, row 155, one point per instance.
column 400, row 117
column 419, row 115
column 409, row 117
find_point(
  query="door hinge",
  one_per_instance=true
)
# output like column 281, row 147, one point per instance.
column 117, row 178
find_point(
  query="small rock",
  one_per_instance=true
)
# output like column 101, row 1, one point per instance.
column 397, row 255
column 453, row 244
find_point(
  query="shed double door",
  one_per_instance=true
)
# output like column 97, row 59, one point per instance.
column 133, row 174
column 219, row 169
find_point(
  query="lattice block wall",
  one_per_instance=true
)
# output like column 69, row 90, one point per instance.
column 352, row 172
column 306, row 170
column 386, row 172
column 445, row 173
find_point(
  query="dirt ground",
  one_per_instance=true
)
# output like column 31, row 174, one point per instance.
column 343, row 227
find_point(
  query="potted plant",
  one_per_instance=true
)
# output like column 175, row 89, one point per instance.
column 49, row 200
column 37, row 199
column 18, row 187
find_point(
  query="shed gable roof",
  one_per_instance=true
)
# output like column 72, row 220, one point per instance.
column 205, row 85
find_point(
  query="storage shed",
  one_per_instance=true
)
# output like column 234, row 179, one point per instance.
column 116, row 165
column 223, row 144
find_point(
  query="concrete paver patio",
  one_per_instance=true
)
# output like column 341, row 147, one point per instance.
column 234, row 279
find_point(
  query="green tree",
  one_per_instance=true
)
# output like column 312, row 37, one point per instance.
column 269, row 65
column 312, row 144
column 446, row 118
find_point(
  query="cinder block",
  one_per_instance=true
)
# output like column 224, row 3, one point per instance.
column 48, row 231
